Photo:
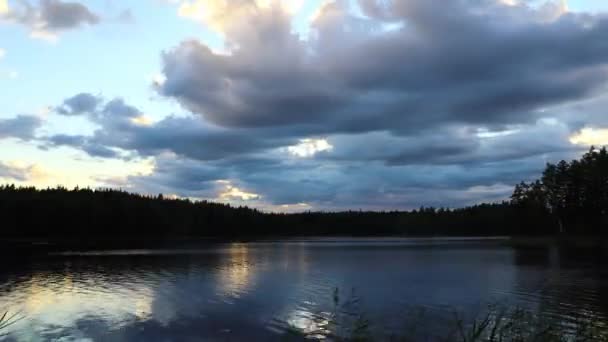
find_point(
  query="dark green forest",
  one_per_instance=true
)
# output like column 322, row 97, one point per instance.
column 569, row 197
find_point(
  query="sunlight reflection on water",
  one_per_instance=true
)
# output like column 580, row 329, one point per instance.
column 235, row 277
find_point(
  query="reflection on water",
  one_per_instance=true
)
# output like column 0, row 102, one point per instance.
column 50, row 302
column 236, row 275
column 315, row 325
column 258, row 290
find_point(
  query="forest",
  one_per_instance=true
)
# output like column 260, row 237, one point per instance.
column 569, row 197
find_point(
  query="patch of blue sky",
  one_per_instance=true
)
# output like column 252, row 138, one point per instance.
column 112, row 59
column 588, row 5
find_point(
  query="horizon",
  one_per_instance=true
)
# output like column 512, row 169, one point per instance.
column 290, row 106
column 164, row 197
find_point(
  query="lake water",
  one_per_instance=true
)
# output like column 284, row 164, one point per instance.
column 255, row 291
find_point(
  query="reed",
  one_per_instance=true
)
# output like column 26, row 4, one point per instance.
column 498, row 323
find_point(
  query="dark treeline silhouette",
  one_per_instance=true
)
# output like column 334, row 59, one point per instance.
column 60, row 212
column 574, row 193
column 570, row 197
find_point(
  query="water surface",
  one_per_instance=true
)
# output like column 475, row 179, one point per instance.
column 255, row 291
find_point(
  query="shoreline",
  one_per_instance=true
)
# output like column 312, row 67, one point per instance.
column 45, row 245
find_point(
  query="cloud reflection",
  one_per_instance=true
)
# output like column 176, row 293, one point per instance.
column 54, row 303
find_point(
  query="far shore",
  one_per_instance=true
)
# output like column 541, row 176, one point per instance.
column 45, row 245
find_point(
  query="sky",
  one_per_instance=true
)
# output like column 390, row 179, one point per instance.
column 292, row 105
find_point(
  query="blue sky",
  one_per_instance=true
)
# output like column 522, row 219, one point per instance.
column 297, row 105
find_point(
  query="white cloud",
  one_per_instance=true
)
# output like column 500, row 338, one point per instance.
column 2, row 53
column 158, row 79
column 44, row 35
column 484, row 133
column 309, row 147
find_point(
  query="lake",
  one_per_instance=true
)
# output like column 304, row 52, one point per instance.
column 260, row 290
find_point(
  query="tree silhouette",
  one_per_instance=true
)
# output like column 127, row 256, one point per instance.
column 570, row 197
column 575, row 193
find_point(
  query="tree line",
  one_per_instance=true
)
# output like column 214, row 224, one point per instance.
column 570, row 197
column 574, row 194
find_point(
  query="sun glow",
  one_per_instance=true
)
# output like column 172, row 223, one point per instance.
column 590, row 136
column 309, row 147
column 142, row 120
column 3, row 6
column 220, row 14
column 233, row 192
column 236, row 276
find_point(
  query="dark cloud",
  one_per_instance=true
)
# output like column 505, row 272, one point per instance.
column 81, row 142
column 67, row 140
column 60, row 15
column 456, row 145
column 118, row 108
column 52, row 16
column 79, row 104
column 233, row 95
column 100, row 151
column 185, row 177
column 346, row 185
column 22, row 127
column 188, row 136
column 370, row 170
column 348, row 180
column 445, row 62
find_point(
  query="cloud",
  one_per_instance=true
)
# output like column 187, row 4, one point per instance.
column 222, row 15
column 185, row 177
column 56, row 15
column 2, row 53
column 22, row 173
column 590, row 136
column 349, row 185
column 81, row 142
column 455, row 145
column 232, row 192
column 407, row 103
column 79, row 104
column 375, row 170
column 368, row 170
column 12, row 172
column 3, row 7
column 486, row 63
column 328, row 184
column 123, row 126
column 22, row 127
column 309, row 147
column 47, row 18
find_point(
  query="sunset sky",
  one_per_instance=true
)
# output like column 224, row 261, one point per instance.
column 300, row 105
